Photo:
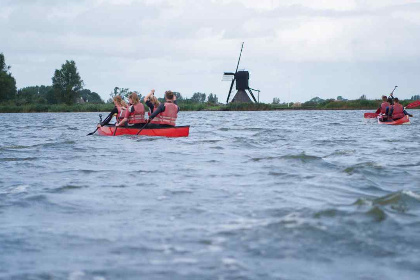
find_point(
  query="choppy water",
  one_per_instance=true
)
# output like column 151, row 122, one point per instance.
column 248, row 195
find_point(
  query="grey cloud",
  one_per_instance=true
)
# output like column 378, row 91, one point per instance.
column 142, row 44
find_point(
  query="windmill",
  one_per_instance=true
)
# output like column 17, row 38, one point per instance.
column 241, row 78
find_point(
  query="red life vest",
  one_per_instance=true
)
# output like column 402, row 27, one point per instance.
column 137, row 116
column 157, row 119
column 398, row 112
column 121, row 113
column 384, row 105
column 170, row 114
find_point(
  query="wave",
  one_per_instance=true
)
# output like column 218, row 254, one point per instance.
column 18, row 159
column 365, row 167
column 400, row 202
column 67, row 188
column 302, row 157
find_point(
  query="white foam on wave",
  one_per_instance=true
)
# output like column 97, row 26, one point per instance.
column 411, row 194
column 185, row 261
column 17, row 189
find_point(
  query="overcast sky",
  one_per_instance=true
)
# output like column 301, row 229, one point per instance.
column 294, row 50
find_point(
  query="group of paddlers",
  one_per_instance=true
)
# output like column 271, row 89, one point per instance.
column 160, row 114
column 391, row 108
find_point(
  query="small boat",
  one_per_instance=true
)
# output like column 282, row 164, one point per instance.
column 403, row 120
column 176, row 131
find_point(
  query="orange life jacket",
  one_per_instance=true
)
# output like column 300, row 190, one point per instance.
column 384, row 105
column 137, row 116
column 170, row 114
column 121, row 113
column 157, row 119
column 398, row 111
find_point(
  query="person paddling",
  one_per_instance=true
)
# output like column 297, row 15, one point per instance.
column 397, row 110
column 384, row 108
column 168, row 111
column 134, row 113
column 153, row 103
column 118, row 111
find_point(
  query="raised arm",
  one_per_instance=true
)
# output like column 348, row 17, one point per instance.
column 152, row 92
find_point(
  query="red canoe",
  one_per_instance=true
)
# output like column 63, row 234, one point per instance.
column 404, row 120
column 176, row 131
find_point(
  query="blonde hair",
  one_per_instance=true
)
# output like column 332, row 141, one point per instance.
column 120, row 101
column 154, row 101
column 134, row 97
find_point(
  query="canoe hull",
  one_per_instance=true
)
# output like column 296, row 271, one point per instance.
column 404, row 120
column 177, row 131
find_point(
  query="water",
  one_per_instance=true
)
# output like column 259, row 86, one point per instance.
column 248, row 195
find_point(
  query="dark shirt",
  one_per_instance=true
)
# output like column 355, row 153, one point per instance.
column 161, row 109
column 150, row 105
column 109, row 117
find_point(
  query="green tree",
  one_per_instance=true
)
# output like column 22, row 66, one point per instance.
column 67, row 83
column 90, row 97
column 178, row 96
column 198, row 97
column 212, row 98
column 7, row 82
column 276, row 100
column 123, row 92
column 316, row 100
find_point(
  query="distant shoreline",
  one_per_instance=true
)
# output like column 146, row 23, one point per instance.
column 87, row 107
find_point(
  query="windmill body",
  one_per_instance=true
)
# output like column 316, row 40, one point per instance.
column 242, row 84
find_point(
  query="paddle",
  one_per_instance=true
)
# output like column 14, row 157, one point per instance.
column 115, row 131
column 93, row 132
column 142, row 128
column 100, row 121
column 413, row 104
column 370, row 115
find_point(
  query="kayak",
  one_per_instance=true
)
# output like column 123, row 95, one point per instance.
column 404, row 120
column 176, row 131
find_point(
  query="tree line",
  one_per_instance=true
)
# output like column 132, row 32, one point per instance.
column 67, row 88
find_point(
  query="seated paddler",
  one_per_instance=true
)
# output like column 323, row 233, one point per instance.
column 153, row 103
column 384, row 108
column 134, row 113
column 118, row 111
column 397, row 110
column 168, row 111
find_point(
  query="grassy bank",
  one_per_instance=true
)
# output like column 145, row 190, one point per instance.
column 186, row 106
column 37, row 108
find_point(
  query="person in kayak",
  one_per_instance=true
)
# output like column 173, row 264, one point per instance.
column 134, row 113
column 118, row 111
column 168, row 111
column 397, row 111
column 384, row 108
column 153, row 103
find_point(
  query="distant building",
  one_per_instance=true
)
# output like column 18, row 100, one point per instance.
column 80, row 100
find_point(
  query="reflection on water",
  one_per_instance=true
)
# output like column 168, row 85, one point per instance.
column 248, row 195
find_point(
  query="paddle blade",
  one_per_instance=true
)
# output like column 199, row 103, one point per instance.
column 413, row 104
column 370, row 115
column 92, row 132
